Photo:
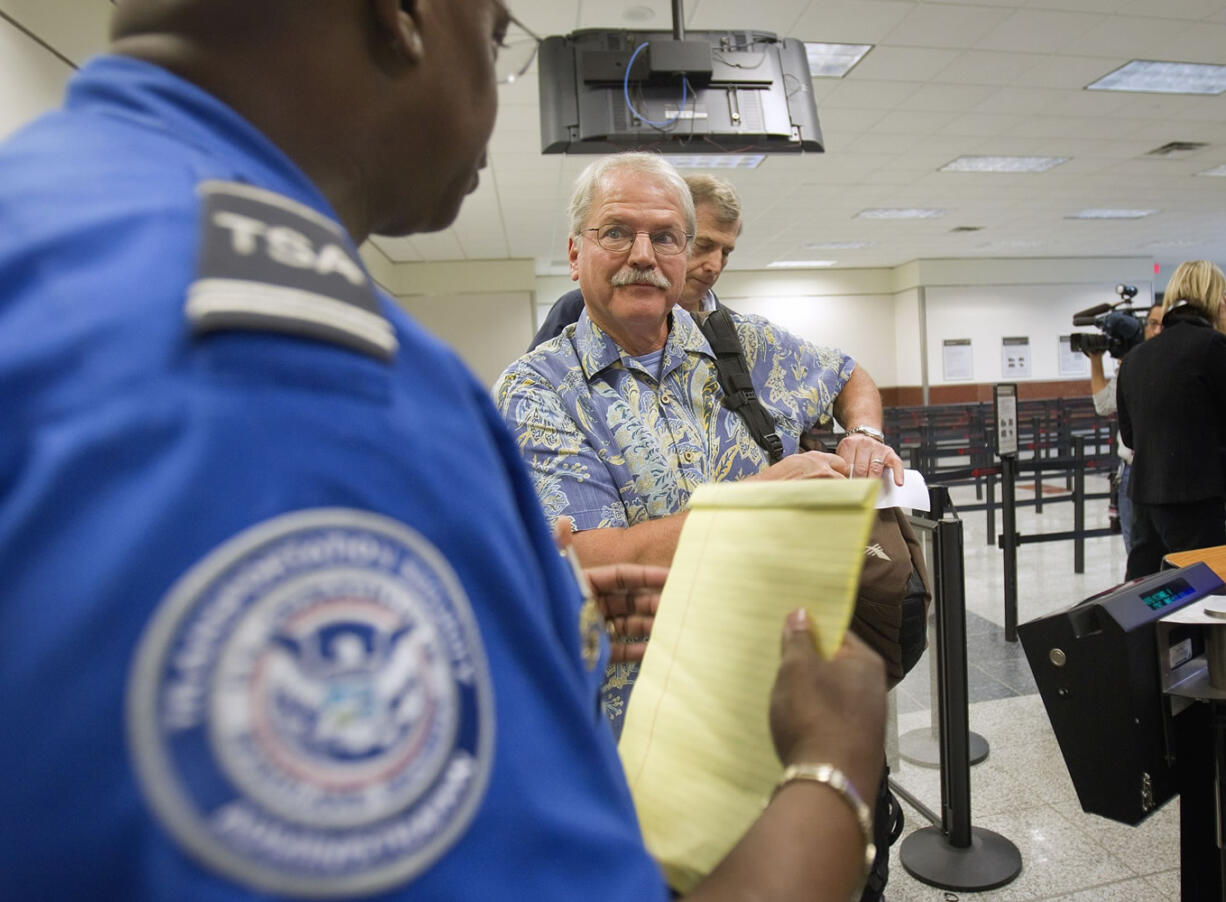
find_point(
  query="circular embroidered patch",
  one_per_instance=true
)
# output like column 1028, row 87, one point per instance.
column 310, row 711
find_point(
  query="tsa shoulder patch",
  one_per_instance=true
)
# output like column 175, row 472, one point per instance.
column 310, row 710
column 269, row 263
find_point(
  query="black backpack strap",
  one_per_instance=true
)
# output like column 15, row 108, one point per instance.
column 739, row 394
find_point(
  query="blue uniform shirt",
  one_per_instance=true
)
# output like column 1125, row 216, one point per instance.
column 344, row 564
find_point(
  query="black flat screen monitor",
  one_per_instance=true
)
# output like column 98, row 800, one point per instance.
column 605, row 91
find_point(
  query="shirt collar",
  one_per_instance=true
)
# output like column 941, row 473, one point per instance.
column 597, row 351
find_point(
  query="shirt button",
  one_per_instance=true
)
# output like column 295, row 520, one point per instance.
column 666, row 398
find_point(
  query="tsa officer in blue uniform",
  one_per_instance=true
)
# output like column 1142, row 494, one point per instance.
column 281, row 615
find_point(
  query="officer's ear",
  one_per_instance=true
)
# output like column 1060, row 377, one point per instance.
column 397, row 22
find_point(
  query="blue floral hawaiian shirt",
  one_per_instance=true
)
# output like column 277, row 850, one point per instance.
column 610, row 445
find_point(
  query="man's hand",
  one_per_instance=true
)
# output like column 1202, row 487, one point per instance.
column 807, row 465
column 867, row 457
column 628, row 595
column 829, row 711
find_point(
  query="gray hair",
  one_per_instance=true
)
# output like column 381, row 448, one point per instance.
column 709, row 189
column 649, row 164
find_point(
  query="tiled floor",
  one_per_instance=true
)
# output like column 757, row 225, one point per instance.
column 1022, row 790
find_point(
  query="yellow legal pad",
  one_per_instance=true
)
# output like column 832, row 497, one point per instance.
column 696, row 745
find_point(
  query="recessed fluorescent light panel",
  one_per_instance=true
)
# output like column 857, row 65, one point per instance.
column 834, row 60
column 716, row 160
column 800, row 264
column 897, row 213
column 1216, row 170
column 835, row 245
column 1164, row 78
column 1003, row 164
column 1111, row 214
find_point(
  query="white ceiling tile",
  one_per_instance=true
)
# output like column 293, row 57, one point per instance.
column 719, row 14
column 1039, row 31
column 1200, row 43
column 857, row 93
column 948, row 98
column 840, row 122
column 945, row 78
column 850, row 21
column 398, row 250
column 980, row 124
column 911, row 122
column 1071, row 72
column 946, row 25
column 1130, row 37
column 1025, row 101
column 984, row 67
column 1170, row 9
column 909, row 64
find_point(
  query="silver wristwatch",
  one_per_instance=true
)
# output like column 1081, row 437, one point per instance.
column 874, row 434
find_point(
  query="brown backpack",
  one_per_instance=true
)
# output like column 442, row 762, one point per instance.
column 891, row 612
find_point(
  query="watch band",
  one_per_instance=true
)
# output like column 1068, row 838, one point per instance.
column 871, row 431
column 831, row 776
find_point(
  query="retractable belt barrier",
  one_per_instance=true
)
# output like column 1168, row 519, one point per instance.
column 953, row 854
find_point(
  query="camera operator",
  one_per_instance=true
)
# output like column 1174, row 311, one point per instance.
column 1172, row 411
column 1103, row 392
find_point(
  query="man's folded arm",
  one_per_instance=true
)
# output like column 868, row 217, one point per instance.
column 649, row 542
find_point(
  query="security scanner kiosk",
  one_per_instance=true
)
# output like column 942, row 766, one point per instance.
column 1134, row 683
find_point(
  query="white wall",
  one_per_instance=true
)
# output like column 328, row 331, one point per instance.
column 862, row 326
column 488, row 330
column 986, row 314
column 908, row 369
column 31, row 79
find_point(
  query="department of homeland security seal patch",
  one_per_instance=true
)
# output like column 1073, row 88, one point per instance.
column 310, row 711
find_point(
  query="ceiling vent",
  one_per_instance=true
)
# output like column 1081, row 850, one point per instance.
column 1177, row 148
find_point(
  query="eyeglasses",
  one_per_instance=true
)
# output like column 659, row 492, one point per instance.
column 618, row 239
column 516, row 54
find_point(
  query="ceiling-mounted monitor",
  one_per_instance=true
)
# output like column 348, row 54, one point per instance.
column 604, row 91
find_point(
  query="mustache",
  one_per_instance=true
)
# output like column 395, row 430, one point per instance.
column 640, row 277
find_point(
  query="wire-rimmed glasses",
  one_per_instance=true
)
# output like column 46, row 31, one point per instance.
column 618, row 239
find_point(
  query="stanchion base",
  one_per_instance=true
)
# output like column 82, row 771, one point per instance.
column 991, row 860
column 922, row 747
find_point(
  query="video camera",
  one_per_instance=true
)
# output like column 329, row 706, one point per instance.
column 1120, row 327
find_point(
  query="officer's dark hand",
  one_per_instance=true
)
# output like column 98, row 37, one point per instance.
column 829, row 711
column 629, row 595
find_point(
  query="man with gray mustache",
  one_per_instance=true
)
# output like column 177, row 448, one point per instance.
column 621, row 417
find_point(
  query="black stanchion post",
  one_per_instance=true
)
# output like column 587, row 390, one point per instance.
column 1079, row 505
column 922, row 746
column 991, row 537
column 1008, row 542
column 1038, row 465
column 956, row 855
column 951, row 653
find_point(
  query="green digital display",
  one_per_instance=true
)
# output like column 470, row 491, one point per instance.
column 1166, row 594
